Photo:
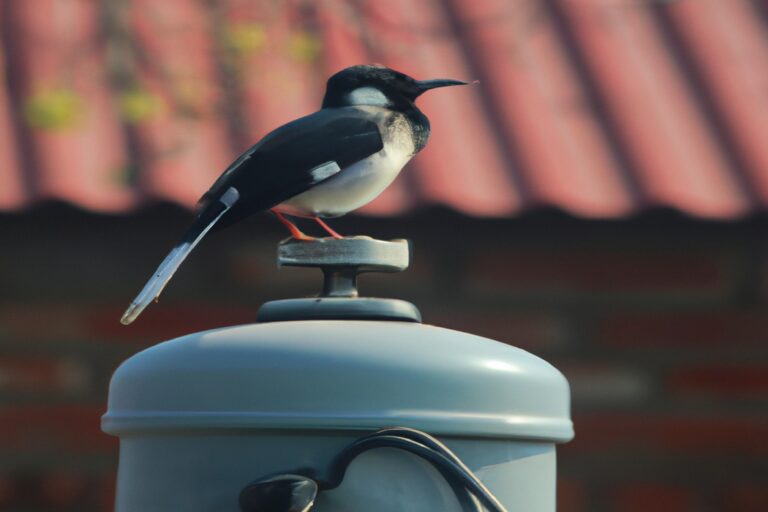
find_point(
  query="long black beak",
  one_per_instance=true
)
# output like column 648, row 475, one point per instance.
column 425, row 85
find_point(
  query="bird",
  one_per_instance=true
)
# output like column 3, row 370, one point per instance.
column 319, row 166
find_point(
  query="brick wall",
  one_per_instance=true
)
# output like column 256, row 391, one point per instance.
column 659, row 323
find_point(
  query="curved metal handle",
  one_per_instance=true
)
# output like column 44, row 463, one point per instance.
column 297, row 493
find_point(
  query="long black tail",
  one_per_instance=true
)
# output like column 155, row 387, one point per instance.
column 203, row 223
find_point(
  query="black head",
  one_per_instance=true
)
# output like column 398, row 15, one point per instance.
column 377, row 86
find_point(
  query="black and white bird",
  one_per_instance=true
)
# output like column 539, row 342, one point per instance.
column 323, row 165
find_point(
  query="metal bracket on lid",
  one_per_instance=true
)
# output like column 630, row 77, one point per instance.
column 341, row 261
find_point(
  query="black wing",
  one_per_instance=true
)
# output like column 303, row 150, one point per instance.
column 280, row 165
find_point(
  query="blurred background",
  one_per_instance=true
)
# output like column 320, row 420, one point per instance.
column 598, row 199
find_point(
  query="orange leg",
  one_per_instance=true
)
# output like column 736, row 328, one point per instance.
column 326, row 227
column 295, row 232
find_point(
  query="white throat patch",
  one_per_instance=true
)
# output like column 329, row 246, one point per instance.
column 368, row 96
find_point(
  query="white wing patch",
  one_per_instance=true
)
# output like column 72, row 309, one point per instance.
column 368, row 96
column 324, row 171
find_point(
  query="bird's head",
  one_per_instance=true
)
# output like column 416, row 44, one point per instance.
column 377, row 86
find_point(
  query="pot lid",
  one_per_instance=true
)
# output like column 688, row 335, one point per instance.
column 339, row 374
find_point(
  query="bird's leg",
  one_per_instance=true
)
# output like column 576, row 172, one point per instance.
column 295, row 232
column 326, row 227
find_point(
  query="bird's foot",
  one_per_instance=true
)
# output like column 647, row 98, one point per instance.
column 303, row 237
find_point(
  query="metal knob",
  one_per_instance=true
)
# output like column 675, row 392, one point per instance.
column 341, row 261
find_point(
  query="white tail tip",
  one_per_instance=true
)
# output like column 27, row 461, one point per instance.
column 132, row 313
column 156, row 283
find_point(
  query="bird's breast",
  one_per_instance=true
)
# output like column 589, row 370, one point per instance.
column 355, row 185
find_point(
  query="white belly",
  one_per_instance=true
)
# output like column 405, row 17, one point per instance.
column 351, row 188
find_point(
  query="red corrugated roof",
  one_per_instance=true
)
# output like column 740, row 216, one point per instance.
column 602, row 108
